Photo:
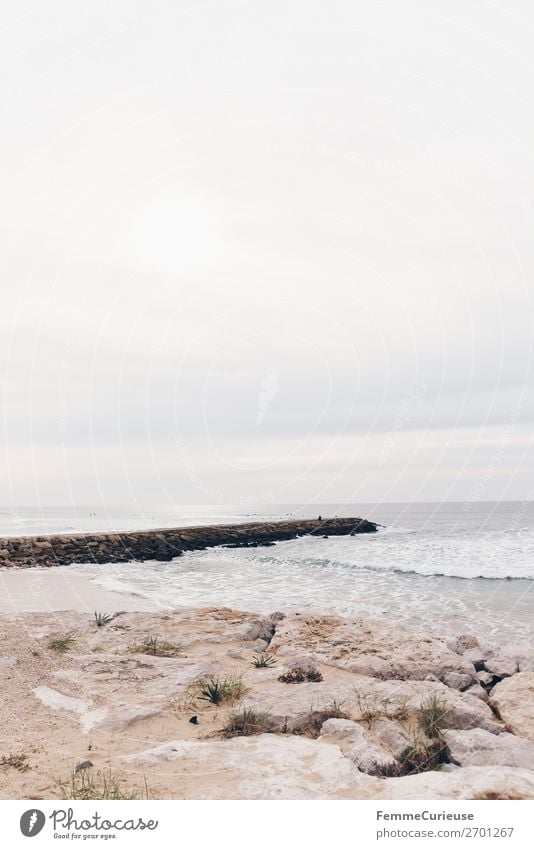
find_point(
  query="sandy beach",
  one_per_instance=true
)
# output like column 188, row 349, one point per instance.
column 40, row 590
column 335, row 708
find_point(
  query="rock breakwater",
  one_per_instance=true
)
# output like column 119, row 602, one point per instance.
column 164, row 544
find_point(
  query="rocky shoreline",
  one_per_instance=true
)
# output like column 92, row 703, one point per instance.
column 164, row 544
column 216, row 703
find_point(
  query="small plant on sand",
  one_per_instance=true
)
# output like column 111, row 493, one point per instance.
column 102, row 619
column 86, row 785
column 335, row 709
column 15, row 761
column 157, row 648
column 371, row 708
column 293, row 676
column 299, row 674
column 313, row 675
column 264, row 660
column 62, row 644
column 248, row 720
column 217, row 690
column 399, row 710
column 432, row 716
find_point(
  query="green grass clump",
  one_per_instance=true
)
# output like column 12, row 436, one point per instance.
column 298, row 674
column 157, row 648
column 86, row 785
column 102, row 619
column 62, row 644
column 264, row 660
column 218, row 690
column 244, row 722
column 335, row 709
column 432, row 716
column 16, row 761
column 371, row 708
column 427, row 749
column 422, row 755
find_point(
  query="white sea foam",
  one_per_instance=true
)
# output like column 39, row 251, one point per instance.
column 431, row 566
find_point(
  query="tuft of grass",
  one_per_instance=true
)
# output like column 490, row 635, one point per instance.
column 313, row 675
column 102, row 619
column 62, row 644
column 298, row 674
column 432, row 716
column 244, row 722
column 400, row 709
column 427, row 750
column 335, row 709
column 217, row 690
column 422, row 755
column 16, row 761
column 371, row 708
column 157, row 648
column 86, row 785
column 264, row 660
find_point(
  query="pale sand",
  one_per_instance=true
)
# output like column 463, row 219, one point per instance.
column 47, row 590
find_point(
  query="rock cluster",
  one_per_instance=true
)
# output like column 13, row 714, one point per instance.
column 392, row 714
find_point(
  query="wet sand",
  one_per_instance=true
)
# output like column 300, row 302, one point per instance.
column 46, row 590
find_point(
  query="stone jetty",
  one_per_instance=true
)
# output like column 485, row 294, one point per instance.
column 166, row 543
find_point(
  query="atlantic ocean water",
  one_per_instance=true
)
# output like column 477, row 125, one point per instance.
column 451, row 567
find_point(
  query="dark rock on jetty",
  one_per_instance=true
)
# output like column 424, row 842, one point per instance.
column 163, row 544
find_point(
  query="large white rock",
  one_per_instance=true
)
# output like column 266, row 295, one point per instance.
column 468, row 783
column 378, row 648
column 291, row 704
column 58, row 701
column 503, row 665
column 479, row 748
column 510, row 660
column 358, row 744
column 118, row 717
column 477, row 691
column 513, row 698
column 469, row 712
column 260, row 767
column 391, row 735
column 464, row 711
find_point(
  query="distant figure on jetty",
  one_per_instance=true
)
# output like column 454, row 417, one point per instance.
column 320, row 519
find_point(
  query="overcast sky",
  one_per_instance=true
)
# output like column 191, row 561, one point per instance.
column 264, row 251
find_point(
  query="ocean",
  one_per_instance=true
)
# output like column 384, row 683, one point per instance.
column 449, row 568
